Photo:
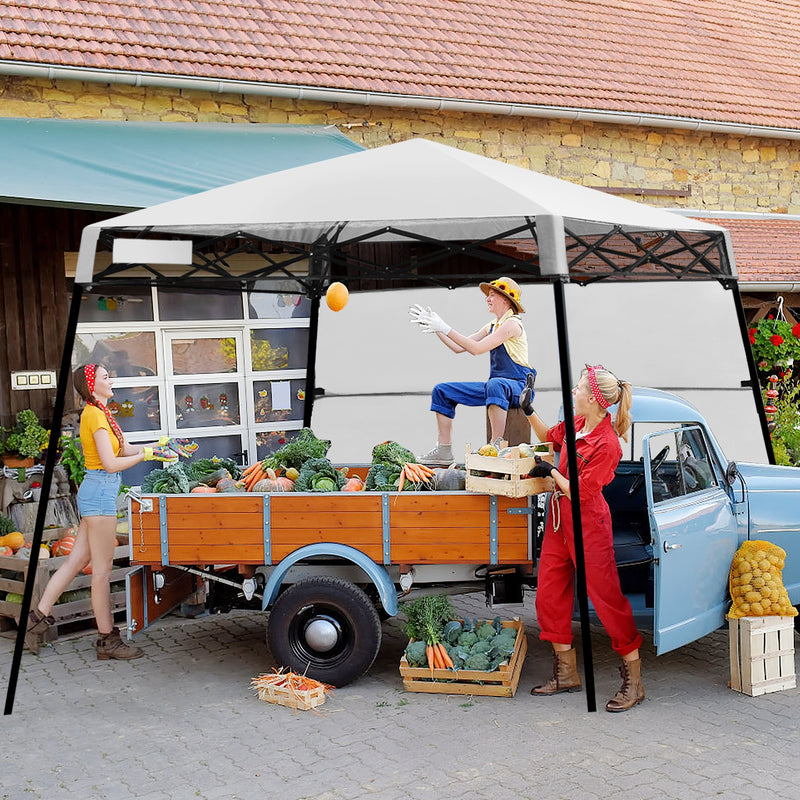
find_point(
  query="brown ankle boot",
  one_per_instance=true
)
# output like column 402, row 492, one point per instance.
column 38, row 624
column 565, row 674
column 109, row 645
column 631, row 692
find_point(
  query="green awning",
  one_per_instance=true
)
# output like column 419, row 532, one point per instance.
column 109, row 165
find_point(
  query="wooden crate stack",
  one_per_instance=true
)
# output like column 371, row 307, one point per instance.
column 502, row 682
column 14, row 572
column 762, row 654
column 513, row 482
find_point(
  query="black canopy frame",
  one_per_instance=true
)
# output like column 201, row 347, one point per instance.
column 615, row 255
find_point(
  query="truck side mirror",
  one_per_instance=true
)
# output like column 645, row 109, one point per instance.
column 731, row 473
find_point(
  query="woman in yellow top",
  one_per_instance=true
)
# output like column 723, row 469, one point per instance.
column 106, row 454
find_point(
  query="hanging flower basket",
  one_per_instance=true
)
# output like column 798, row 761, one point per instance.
column 775, row 343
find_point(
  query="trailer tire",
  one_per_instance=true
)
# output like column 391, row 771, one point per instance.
column 325, row 627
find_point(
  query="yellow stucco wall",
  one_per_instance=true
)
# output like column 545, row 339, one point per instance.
column 720, row 171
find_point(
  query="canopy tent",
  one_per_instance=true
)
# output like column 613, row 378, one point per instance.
column 460, row 217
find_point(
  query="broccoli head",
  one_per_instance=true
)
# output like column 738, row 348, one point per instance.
column 467, row 639
column 416, row 655
column 479, row 661
column 486, row 631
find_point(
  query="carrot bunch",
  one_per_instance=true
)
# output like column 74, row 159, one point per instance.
column 415, row 473
column 253, row 474
column 426, row 618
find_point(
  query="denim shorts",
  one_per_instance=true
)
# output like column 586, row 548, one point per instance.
column 97, row 494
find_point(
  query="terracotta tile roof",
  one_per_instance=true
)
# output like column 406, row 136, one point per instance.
column 765, row 249
column 723, row 60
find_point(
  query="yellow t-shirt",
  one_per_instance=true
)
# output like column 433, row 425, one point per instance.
column 516, row 346
column 93, row 419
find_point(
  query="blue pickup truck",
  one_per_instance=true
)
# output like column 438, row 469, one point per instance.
column 681, row 509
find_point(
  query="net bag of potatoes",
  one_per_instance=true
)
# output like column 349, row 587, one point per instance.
column 756, row 582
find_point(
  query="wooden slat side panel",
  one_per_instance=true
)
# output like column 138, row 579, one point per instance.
column 281, row 520
column 218, row 521
column 440, row 554
column 216, row 554
column 210, row 504
column 373, row 551
column 230, row 536
column 324, row 502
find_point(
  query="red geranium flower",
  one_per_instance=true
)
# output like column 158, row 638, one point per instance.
column 752, row 333
column 796, row 331
column 776, row 339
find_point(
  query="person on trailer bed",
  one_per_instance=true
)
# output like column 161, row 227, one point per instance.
column 107, row 454
column 505, row 341
column 599, row 453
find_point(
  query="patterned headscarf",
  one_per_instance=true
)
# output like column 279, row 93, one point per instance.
column 598, row 395
column 90, row 371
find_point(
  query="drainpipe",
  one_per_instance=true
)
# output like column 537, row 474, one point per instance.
column 349, row 96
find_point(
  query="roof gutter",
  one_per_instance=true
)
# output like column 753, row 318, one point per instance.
column 160, row 80
column 769, row 286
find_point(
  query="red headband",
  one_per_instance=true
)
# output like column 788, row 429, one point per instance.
column 88, row 371
column 598, row 395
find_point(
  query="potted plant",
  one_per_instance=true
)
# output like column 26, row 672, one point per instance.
column 25, row 441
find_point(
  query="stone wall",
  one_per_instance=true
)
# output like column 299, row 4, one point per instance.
column 713, row 171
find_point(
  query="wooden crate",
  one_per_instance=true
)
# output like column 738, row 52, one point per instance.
column 500, row 683
column 762, row 654
column 13, row 574
column 513, row 484
column 298, row 699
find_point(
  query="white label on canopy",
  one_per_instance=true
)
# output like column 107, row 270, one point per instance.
column 281, row 395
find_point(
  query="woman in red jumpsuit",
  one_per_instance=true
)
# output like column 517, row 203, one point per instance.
column 599, row 452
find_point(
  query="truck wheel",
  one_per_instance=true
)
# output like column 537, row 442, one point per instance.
column 325, row 627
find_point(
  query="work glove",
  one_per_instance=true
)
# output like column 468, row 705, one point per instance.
column 414, row 312
column 543, row 469
column 526, row 395
column 160, row 453
column 183, row 447
column 431, row 322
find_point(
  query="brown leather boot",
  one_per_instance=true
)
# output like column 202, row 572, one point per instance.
column 38, row 625
column 565, row 674
column 109, row 645
column 631, row 691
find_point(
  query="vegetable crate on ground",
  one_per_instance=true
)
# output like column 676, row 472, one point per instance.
column 512, row 471
column 502, row 682
column 762, row 654
column 75, row 604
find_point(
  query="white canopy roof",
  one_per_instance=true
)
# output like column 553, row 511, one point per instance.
column 418, row 187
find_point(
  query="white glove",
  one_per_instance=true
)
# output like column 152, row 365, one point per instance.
column 414, row 312
column 431, row 322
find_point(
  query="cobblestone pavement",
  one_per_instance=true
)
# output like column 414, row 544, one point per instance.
column 183, row 723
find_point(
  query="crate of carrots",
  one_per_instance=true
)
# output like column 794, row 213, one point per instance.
column 460, row 656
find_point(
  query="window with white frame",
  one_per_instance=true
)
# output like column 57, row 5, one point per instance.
column 226, row 369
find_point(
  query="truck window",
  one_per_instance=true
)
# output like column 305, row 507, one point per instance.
column 680, row 464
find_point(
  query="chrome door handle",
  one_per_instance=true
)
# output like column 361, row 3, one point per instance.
column 668, row 547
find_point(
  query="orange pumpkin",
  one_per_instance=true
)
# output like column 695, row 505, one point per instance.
column 336, row 297
column 354, row 484
column 14, row 540
column 63, row 547
column 203, row 489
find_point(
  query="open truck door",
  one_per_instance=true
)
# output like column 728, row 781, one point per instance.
column 694, row 536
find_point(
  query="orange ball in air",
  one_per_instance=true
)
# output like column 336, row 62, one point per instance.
column 336, row 296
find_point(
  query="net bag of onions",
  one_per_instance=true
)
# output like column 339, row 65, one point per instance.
column 756, row 582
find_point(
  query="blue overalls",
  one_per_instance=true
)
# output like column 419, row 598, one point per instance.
column 506, row 381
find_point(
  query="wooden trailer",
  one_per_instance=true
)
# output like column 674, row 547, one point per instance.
column 327, row 566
